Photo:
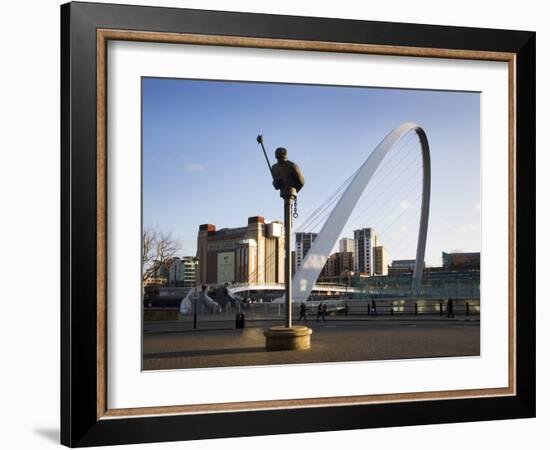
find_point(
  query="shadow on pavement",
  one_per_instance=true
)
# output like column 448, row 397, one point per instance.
column 212, row 352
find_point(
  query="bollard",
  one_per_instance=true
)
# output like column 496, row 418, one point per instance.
column 239, row 321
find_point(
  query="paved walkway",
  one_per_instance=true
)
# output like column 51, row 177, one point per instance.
column 174, row 345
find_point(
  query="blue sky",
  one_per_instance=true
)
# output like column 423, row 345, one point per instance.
column 201, row 162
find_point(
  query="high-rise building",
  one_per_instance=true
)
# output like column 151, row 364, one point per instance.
column 174, row 272
column 380, row 260
column 190, row 265
column 339, row 264
column 304, row 241
column 345, row 263
column 346, row 245
column 365, row 240
column 250, row 254
column 329, row 269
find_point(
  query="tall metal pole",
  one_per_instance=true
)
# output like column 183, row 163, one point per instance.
column 288, row 261
column 195, row 311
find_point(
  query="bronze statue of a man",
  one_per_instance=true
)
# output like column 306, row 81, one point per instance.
column 287, row 176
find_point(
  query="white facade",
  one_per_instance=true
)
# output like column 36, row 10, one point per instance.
column 365, row 240
column 346, row 245
column 274, row 229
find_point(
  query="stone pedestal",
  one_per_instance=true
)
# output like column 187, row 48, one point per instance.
column 284, row 338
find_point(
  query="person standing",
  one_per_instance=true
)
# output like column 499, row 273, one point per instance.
column 319, row 311
column 450, row 309
column 324, row 311
column 303, row 312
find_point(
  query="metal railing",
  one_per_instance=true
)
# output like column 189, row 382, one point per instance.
column 414, row 306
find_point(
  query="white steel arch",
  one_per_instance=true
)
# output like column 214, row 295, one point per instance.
column 309, row 271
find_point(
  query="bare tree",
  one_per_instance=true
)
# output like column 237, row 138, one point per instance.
column 157, row 249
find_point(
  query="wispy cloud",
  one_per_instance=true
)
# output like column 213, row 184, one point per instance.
column 194, row 167
column 405, row 204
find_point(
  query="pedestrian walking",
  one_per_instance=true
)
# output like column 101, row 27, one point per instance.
column 450, row 310
column 319, row 310
column 324, row 311
column 373, row 308
column 303, row 312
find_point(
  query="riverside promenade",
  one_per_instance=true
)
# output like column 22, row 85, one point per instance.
column 174, row 344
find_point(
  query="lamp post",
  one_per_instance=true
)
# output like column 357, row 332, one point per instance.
column 195, row 310
column 346, row 273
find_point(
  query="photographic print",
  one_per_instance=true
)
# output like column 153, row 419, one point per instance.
column 360, row 205
column 297, row 224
